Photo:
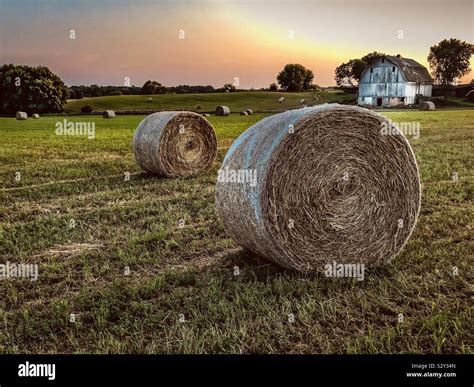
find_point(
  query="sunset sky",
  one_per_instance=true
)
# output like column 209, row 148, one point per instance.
column 251, row 40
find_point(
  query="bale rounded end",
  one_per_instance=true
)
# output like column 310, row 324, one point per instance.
column 175, row 144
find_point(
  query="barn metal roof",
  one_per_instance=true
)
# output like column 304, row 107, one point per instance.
column 412, row 71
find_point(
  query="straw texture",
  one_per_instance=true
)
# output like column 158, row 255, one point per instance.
column 329, row 187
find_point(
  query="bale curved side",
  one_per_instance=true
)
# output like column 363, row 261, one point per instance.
column 427, row 105
column 21, row 116
column 175, row 144
column 222, row 110
column 329, row 187
column 108, row 114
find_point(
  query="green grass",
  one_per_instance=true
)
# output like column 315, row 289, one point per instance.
column 190, row 270
column 237, row 101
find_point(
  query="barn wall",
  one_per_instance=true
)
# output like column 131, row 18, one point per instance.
column 387, row 82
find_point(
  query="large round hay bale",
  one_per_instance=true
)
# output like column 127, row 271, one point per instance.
column 427, row 105
column 175, row 144
column 222, row 110
column 249, row 111
column 281, row 99
column 108, row 114
column 317, row 185
column 244, row 113
column 21, row 116
column 35, row 116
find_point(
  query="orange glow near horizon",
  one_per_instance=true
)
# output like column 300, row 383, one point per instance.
column 250, row 40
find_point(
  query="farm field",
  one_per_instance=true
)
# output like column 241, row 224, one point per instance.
column 182, row 294
column 237, row 101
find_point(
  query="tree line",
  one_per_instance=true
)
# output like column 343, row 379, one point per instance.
column 37, row 89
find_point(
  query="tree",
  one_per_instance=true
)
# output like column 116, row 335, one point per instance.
column 273, row 87
column 229, row 86
column 449, row 59
column 153, row 87
column 349, row 73
column 295, row 77
column 30, row 89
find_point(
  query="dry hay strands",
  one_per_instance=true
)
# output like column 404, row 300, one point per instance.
column 175, row 144
column 21, row 116
column 222, row 110
column 317, row 185
column 427, row 105
column 108, row 114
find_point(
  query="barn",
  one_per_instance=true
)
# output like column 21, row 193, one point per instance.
column 394, row 81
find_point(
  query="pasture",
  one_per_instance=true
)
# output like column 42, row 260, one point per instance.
column 237, row 101
column 191, row 289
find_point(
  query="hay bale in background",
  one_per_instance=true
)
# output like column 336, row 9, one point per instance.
column 206, row 115
column 427, row 105
column 21, row 116
column 35, row 116
column 175, row 144
column 222, row 110
column 108, row 114
column 329, row 187
column 281, row 99
column 249, row 111
column 244, row 113
column 150, row 99
column 302, row 101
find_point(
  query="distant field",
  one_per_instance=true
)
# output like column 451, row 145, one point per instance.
column 188, row 272
column 237, row 101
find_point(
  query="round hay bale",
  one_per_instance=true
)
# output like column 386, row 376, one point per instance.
column 249, row 111
column 222, row 110
column 150, row 99
column 427, row 105
column 206, row 115
column 281, row 99
column 21, row 116
column 108, row 114
column 302, row 101
column 317, row 185
column 244, row 113
column 175, row 144
column 35, row 116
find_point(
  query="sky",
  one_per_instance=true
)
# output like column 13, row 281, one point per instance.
column 216, row 42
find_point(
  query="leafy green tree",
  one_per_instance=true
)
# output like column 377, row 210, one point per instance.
column 30, row 89
column 153, row 87
column 295, row 77
column 449, row 59
column 349, row 73
column 273, row 87
column 229, row 86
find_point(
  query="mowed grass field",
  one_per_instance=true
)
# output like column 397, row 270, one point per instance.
column 236, row 101
column 182, row 294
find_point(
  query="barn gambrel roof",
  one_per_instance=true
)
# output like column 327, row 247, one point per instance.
column 412, row 70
